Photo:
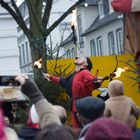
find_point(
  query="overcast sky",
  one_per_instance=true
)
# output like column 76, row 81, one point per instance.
column 19, row 2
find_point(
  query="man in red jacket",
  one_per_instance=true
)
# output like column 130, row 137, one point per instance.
column 79, row 84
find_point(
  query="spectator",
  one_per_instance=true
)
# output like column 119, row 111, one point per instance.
column 44, row 108
column 79, row 84
column 119, row 106
column 6, row 133
column 56, row 132
column 89, row 109
column 108, row 129
column 32, row 129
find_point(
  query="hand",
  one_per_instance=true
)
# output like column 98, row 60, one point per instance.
column 47, row 76
column 21, row 78
column 100, row 79
column 29, row 88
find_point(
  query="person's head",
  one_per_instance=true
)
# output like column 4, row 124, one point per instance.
column 115, row 88
column 83, row 62
column 61, row 112
column 89, row 108
column 108, row 129
column 55, row 132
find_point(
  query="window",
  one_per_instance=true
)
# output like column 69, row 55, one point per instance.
column 111, row 43
column 68, row 53
column 101, row 8
column 119, row 38
column 93, row 47
column 80, row 30
column 27, row 52
column 23, row 53
column 110, row 7
column 99, row 46
column 73, row 53
column 20, row 55
column 23, row 9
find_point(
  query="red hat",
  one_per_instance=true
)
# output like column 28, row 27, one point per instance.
column 126, row 5
column 108, row 129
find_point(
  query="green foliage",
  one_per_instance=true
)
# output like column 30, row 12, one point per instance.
column 53, row 92
column 134, row 66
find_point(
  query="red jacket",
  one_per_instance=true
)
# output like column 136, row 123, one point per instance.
column 82, row 85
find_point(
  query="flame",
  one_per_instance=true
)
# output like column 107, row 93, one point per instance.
column 119, row 71
column 73, row 18
column 38, row 63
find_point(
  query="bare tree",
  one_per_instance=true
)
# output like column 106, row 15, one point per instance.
column 38, row 30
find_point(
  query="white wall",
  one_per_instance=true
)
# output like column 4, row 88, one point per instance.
column 9, row 54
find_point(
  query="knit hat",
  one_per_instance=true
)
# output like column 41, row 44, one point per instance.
column 90, row 107
column 89, row 67
column 108, row 129
column 115, row 88
column 126, row 5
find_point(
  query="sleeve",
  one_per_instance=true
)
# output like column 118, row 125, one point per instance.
column 46, row 113
column 89, row 80
column 107, row 112
column 135, row 109
column 55, row 79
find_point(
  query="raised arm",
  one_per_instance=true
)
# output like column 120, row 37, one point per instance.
column 44, row 108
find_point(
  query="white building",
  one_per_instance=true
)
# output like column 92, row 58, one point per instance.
column 9, row 52
column 99, row 31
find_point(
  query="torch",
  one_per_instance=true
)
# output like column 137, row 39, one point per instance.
column 38, row 65
column 115, row 74
column 73, row 25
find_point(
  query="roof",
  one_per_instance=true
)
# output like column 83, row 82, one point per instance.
column 67, row 40
column 98, row 23
column 90, row 2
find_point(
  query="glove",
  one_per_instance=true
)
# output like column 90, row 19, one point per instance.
column 29, row 88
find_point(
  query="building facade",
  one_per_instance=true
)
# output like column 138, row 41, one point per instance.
column 99, row 31
column 9, row 53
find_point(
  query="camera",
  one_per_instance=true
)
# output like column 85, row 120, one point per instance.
column 8, row 81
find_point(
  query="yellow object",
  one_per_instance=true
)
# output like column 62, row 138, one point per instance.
column 105, row 65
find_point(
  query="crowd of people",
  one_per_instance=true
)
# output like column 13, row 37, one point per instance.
column 93, row 118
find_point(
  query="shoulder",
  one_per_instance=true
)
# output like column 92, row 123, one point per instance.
column 11, row 134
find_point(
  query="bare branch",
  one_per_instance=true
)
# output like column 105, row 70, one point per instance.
column 56, row 23
column 18, row 19
column 35, row 14
column 46, row 15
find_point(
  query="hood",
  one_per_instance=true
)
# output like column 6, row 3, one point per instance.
column 115, row 88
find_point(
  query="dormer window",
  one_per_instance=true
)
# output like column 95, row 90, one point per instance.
column 110, row 6
column 101, row 8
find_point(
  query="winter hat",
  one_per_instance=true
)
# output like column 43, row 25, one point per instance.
column 90, row 107
column 33, row 120
column 108, row 129
column 115, row 88
column 89, row 67
column 126, row 5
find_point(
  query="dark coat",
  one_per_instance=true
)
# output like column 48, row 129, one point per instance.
column 28, row 133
